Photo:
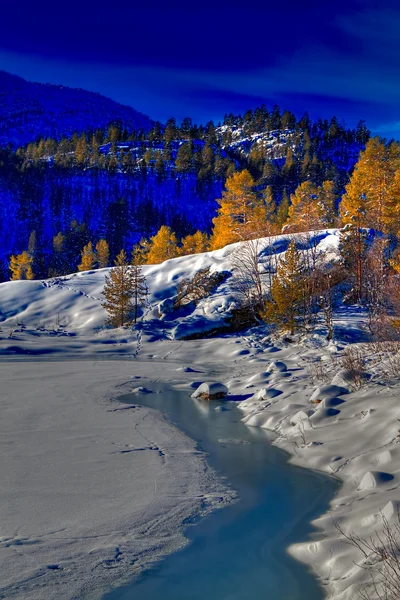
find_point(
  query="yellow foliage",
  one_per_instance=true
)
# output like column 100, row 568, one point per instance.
column 140, row 252
column 311, row 207
column 103, row 253
column 241, row 214
column 287, row 290
column 194, row 244
column 368, row 201
column 162, row 246
column 21, row 266
column 88, row 258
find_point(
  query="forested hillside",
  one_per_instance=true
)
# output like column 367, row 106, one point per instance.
column 123, row 184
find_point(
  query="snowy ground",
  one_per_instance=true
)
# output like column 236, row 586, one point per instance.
column 71, row 453
column 92, row 490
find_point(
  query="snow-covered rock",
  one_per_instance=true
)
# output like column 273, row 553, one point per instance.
column 277, row 366
column 328, row 391
column 210, row 391
column 373, row 479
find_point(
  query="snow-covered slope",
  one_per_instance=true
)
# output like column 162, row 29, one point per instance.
column 296, row 388
column 71, row 305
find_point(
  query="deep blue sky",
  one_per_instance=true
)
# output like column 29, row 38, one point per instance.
column 220, row 56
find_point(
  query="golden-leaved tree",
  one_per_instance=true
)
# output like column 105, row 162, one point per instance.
column 163, row 246
column 286, row 303
column 194, row 244
column 372, row 187
column 119, row 292
column 140, row 252
column 21, row 266
column 312, row 207
column 241, row 214
column 88, row 258
column 102, row 253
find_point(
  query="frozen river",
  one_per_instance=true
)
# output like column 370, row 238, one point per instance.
column 239, row 552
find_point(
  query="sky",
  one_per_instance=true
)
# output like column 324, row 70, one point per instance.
column 204, row 60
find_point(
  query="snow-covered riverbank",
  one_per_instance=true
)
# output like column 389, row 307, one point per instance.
column 350, row 434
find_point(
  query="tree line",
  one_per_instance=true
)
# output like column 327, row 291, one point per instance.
column 371, row 200
column 120, row 185
column 291, row 290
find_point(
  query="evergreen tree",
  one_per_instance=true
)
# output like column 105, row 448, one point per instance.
column 76, row 238
column 362, row 133
column 207, row 163
column 59, row 260
column 210, row 136
column 119, row 292
column 103, row 253
column 184, row 158
column 163, row 246
column 286, row 304
column 36, row 253
column 88, row 258
column 171, row 131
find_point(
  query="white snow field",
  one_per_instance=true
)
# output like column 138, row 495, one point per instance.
column 92, row 490
column 71, row 450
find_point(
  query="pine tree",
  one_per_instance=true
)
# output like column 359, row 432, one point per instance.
column 102, row 253
column 163, row 246
column 207, row 163
column 286, row 304
column 59, row 260
column 35, row 252
column 88, row 258
column 21, row 266
column 119, row 292
column 171, row 131
column 184, row 158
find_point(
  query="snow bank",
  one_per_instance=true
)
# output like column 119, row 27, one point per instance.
column 72, row 304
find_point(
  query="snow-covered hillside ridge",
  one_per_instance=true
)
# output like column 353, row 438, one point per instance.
column 72, row 304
